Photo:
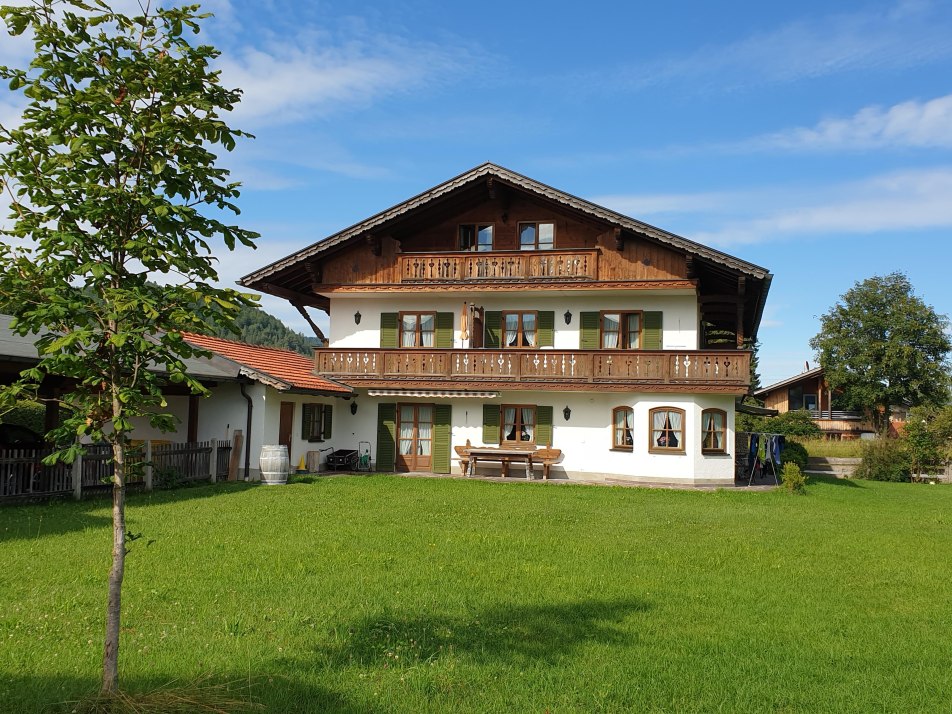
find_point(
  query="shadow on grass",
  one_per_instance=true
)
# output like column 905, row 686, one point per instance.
column 60, row 516
column 507, row 633
column 834, row 481
column 224, row 693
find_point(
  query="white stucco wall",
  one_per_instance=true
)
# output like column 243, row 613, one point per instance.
column 586, row 439
column 680, row 321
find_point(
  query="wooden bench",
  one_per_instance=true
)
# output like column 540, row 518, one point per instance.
column 546, row 457
column 463, row 453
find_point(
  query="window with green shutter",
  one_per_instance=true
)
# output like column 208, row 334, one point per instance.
column 388, row 330
column 546, row 328
column 444, row 331
column 316, row 421
column 492, row 321
column 588, row 331
column 652, row 331
column 442, row 420
column 543, row 435
column 386, row 436
column 490, row 423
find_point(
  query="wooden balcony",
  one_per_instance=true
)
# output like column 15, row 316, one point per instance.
column 723, row 371
column 499, row 266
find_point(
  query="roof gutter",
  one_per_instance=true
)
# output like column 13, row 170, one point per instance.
column 251, row 407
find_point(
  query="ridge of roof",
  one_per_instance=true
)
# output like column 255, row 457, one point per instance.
column 789, row 380
column 277, row 366
column 522, row 181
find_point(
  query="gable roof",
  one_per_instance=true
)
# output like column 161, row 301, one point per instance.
column 523, row 182
column 809, row 374
column 282, row 369
column 19, row 349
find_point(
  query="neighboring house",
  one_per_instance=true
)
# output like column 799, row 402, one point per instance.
column 284, row 403
column 495, row 310
column 808, row 390
column 269, row 394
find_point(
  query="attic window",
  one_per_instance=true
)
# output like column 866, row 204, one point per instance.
column 536, row 236
column 476, row 237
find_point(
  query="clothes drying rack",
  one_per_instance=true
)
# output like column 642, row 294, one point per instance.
column 772, row 453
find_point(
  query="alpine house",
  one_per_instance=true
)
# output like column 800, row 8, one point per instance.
column 493, row 310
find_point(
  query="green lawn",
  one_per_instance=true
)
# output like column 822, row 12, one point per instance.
column 386, row 594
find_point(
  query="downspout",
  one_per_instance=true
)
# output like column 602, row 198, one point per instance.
column 251, row 405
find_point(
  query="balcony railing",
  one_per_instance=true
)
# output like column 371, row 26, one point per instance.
column 666, row 367
column 499, row 266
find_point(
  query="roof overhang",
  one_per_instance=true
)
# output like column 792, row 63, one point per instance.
column 432, row 393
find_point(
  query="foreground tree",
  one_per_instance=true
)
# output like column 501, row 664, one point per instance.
column 111, row 182
column 883, row 346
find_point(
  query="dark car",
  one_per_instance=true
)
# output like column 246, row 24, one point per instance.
column 14, row 436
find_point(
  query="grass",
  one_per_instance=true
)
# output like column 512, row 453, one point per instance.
column 848, row 448
column 387, row 594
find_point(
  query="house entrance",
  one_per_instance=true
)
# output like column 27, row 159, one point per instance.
column 415, row 437
column 285, row 421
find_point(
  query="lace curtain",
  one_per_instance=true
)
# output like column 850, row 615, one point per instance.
column 528, row 424
column 610, row 325
column 512, row 330
column 408, row 331
column 509, row 424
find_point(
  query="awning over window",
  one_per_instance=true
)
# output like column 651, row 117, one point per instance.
column 432, row 393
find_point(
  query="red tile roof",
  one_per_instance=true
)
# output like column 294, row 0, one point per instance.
column 292, row 368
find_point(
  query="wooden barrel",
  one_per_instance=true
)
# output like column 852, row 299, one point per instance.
column 274, row 465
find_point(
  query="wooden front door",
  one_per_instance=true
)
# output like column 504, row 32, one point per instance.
column 414, row 437
column 284, row 424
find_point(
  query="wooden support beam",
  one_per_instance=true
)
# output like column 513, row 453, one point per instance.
column 376, row 247
column 315, row 272
column 619, row 242
column 741, row 290
column 309, row 299
column 192, row 418
column 317, row 330
column 490, row 187
column 690, row 267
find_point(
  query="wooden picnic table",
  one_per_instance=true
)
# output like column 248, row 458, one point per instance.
column 505, row 455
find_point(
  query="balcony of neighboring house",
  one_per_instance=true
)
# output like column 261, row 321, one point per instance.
column 718, row 371
column 498, row 266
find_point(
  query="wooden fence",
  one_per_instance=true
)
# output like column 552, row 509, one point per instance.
column 23, row 474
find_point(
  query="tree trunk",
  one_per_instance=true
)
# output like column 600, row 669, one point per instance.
column 110, row 658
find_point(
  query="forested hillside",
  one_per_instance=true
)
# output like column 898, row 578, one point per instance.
column 259, row 328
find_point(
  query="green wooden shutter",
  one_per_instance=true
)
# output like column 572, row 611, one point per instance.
column 444, row 330
column 651, row 334
column 543, row 435
column 306, row 420
column 588, row 332
column 490, row 423
column 493, row 324
column 442, row 416
column 546, row 328
column 386, row 436
column 328, row 421
column 388, row 330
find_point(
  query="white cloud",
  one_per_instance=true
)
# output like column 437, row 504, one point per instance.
column 909, row 124
column 903, row 201
column 908, row 34
column 314, row 75
column 909, row 200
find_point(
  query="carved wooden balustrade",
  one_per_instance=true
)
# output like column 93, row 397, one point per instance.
column 728, row 368
column 502, row 266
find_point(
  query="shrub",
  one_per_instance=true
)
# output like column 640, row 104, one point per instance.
column 792, row 478
column 885, row 459
column 794, row 423
column 29, row 414
column 794, row 453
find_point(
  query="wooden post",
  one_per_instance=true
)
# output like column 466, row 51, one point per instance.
column 147, row 474
column 78, row 477
column 213, row 462
column 237, row 442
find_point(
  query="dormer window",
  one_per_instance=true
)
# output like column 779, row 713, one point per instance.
column 476, row 237
column 536, row 236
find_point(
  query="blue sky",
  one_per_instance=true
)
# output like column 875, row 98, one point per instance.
column 812, row 138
